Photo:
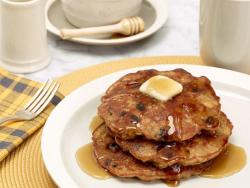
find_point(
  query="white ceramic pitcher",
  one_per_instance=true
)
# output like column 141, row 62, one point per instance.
column 23, row 36
column 225, row 33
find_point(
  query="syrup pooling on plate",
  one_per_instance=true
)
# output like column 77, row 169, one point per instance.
column 86, row 161
column 228, row 163
column 173, row 183
column 231, row 161
column 85, row 156
column 96, row 122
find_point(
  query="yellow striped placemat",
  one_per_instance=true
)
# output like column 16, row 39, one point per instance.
column 15, row 92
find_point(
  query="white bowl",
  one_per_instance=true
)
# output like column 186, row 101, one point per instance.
column 90, row 13
column 153, row 12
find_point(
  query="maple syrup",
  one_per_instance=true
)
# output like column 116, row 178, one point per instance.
column 87, row 162
column 96, row 122
column 231, row 161
column 173, row 183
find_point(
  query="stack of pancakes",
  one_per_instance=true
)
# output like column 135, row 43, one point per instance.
column 149, row 139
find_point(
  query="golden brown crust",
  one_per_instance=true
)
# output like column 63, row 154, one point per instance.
column 129, row 113
column 121, row 164
column 199, row 149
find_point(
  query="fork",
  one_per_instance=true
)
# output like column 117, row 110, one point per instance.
column 37, row 103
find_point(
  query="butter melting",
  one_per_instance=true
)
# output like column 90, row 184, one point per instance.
column 161, row 88
column 228, row 163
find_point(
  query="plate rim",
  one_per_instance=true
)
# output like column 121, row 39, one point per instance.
column 235, row 78
column 161, row 18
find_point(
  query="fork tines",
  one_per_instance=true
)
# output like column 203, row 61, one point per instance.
column 42, row 97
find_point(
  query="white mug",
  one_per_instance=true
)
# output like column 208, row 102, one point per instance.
column 23, row 36
column 225, row 33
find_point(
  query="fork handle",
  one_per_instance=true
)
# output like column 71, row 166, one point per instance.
column 9, row 118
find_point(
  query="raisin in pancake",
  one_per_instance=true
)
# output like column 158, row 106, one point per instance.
column 119, row 163
column 129, row 113
column 199, row 149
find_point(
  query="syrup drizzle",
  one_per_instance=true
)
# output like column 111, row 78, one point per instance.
column 231, row 161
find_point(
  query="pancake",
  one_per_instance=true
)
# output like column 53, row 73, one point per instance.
column 122, row 164
column 132, row 81
column 129, row 113
column 199, row 149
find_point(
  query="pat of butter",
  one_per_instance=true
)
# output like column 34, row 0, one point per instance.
column 161, row 88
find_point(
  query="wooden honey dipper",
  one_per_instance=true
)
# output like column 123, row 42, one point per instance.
column 127, row 26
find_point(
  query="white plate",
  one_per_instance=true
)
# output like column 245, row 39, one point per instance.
column 67, row 128
column 154, row 13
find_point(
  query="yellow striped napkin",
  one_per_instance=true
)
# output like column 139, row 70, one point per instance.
column 15, row 92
